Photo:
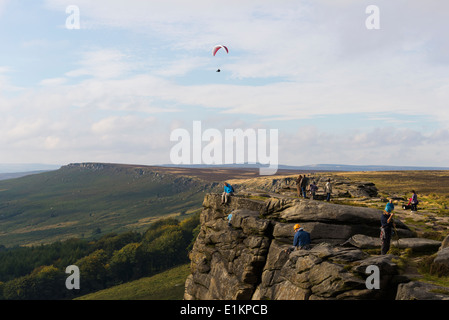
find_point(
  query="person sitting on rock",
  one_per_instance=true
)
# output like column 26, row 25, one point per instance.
column 301, row 239
column 228, row 191
column 414, row 202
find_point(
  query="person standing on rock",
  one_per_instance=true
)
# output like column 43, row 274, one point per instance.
column 228, row 191
column 313, row 189
column 386, row 225
column 328, row 190
column 390, row 206
column 303, row 185
column 301, row 239
column 298, row 186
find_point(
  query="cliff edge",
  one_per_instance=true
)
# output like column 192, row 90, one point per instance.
column 247, row 260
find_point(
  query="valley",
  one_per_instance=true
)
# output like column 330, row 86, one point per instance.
column 87, row 200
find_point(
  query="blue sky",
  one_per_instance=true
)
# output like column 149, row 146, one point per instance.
column 113, row 90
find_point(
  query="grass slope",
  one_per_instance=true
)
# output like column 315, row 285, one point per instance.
column 168, row 285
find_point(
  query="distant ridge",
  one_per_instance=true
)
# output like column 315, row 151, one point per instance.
column 14, row 175
column 316, row 167
column 26, row 167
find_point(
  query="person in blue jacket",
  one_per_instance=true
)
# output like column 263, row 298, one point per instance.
column 301, row 239
column 230, row 220
column 228, row 191
column 390, row 206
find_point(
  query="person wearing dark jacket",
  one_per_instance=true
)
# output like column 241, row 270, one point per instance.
column 387, row 223
column 298, row 185
column 313, row 189
column 301, row 239
column 303, row 185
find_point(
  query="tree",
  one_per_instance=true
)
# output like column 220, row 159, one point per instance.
column 93, row 270
column 124, row 262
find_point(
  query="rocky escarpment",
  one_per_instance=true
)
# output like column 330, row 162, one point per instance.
column 341, row 187
column 248, row 260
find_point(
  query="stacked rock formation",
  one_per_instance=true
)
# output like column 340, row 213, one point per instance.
column 247, row 260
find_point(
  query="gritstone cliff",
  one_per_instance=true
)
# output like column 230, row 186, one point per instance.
column 247, row 260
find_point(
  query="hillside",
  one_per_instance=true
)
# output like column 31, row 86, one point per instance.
column 90, row 199
column 81, row 200
column 167, row 285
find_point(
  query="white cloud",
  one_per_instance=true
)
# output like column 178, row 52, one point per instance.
column 288, row 60
column 102, row 64
column 5, row 83
column 379, row 146
column 53, row 82
column 326, row 60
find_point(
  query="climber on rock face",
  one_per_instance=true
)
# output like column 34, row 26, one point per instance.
column 301, row 239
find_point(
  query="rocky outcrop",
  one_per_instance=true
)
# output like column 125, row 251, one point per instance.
column 441, row 262
column 247, row 260
column 324, row 272
column 416, row 290
column 415, row 244
column 341, row 187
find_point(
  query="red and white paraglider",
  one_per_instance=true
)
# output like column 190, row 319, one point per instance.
column 217, row 48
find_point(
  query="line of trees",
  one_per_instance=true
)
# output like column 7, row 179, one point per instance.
column 39, row 272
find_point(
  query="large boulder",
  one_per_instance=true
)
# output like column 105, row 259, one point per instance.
column 226, row 262
column 416, row 290
column 440, row 264
column 445, row 243
column 324, row 272
column 415, row 244
column 327, row 221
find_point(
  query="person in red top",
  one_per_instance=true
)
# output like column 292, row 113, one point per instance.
column 414, row 201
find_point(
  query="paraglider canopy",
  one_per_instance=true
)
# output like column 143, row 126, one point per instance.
column 218, row 47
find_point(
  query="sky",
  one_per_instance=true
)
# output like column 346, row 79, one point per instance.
column 114, row 89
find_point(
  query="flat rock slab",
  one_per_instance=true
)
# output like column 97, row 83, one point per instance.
column 416, row 290
column 416, row 244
